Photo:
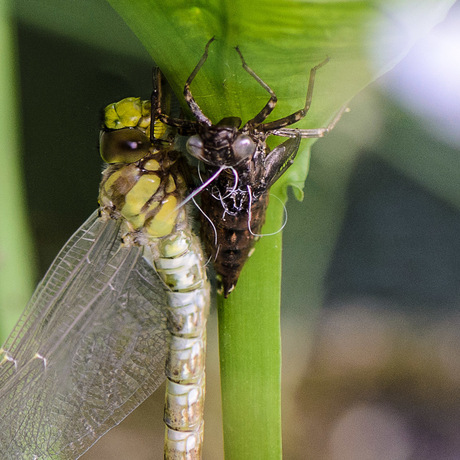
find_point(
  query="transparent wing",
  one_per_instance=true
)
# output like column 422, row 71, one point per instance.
column 88, row 349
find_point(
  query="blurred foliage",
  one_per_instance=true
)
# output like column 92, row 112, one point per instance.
column 16, row 253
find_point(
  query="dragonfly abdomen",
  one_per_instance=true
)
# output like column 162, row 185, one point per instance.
column 231, row 240
column 181, row 267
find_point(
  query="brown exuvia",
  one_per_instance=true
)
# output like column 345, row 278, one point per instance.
column 239, row 170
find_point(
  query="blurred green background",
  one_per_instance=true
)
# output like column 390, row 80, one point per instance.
column 371, row 279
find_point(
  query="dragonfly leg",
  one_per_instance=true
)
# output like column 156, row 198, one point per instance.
column 270, row 105
column 311, row 133
column 186, row 127
column 194, row 107
column 296, row 116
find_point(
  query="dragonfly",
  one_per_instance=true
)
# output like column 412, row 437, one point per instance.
column 123, row 306
column 239, row 169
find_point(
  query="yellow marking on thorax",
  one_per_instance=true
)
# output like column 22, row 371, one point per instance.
column 164, row 221
column 138, row 196
column 152, row 165
column 171, row 185
column 109, row 183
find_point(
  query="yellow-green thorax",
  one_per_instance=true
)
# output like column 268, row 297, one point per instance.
column 143, row 183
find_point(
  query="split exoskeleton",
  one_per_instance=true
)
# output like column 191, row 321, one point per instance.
column 240, row 169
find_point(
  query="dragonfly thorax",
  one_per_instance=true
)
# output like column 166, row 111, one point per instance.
column 145, row 193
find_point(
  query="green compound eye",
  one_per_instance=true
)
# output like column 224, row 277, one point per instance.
column 126, row 145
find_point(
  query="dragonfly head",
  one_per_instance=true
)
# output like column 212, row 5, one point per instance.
column 222, row 144
column 125, row 145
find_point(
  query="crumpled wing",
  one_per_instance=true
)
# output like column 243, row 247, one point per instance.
column 88, row 349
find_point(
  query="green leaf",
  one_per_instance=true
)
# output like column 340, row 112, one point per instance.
column 281, row 41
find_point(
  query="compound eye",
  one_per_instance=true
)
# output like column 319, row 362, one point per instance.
column 195, row 147
column 243, row 147
column 126, row 145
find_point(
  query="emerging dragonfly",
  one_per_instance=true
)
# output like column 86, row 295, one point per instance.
column 240, row 169
column 92, row 343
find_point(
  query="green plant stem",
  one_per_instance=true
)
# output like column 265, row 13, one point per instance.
column 250, row 352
